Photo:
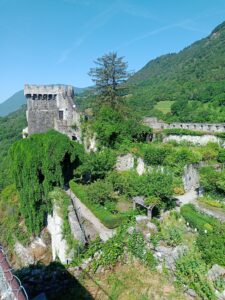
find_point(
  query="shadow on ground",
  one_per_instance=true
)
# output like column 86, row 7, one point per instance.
column 54, row 280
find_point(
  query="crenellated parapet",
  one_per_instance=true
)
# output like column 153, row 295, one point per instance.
column 205, row 127
column 47, row 92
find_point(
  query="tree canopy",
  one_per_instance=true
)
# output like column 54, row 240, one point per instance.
column 109, row 75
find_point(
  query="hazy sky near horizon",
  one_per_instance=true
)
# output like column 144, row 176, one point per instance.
column 56, row 41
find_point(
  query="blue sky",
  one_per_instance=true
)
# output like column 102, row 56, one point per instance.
column 56, row 41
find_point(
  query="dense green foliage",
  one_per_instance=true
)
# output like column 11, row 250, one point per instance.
column 96, row 165
column 39, row 163
column 211, row 239
column 10, row 131
column 212, row 246
column 193, row 78
column 191, row 270
column 212, row 180
column 114, row 127
column 198, row 220
column 12, row 226
column 104, row 214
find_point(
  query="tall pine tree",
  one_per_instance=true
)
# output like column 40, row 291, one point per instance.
column 109, row 76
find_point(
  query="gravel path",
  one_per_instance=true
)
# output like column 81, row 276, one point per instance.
column 189, row 197
column 104, row 232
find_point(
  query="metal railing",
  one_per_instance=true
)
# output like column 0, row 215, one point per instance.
column 10, row 285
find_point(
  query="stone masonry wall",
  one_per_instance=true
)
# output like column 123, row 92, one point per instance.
column 52, row 107
column 208, row 127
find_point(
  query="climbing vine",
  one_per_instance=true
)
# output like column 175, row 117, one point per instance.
column 39, row 163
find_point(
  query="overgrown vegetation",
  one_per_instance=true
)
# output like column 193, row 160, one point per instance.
column 39, row 163
column 193, row 78
column 12, row 225
column 11, row 128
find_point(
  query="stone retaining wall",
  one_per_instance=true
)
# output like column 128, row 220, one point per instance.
column 207, row 127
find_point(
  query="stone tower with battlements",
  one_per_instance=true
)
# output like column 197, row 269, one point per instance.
column 52, row 107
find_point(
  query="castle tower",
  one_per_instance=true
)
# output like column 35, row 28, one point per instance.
column 52, row 107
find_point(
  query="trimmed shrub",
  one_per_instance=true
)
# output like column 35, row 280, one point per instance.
column 196, row 219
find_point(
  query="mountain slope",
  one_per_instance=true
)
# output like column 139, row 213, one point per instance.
column 12, row 104
column 195, row 74
column 11, row 128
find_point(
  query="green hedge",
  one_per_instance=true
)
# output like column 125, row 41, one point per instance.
column 181, row 131
column 198, row 220
column 107, row 218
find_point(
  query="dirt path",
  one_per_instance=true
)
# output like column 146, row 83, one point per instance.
column 104, row 232
column 189, row 197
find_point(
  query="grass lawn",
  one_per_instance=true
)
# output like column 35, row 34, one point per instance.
column 164, row 106
column 131, row 281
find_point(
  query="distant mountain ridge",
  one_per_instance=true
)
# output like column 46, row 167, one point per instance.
column 195, row 74
column 15, row 102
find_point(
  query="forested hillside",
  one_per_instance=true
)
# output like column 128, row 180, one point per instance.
column 194, row 78
column 10, row 131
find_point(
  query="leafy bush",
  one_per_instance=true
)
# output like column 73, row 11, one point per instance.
column 172, row 235
column 154, row 183
column 100, row 192
column 191, row 271
column 155, row 155
column 221, row 156
column 212, row 246
column 96, row 165
column 210, row 152
column 213, row 181
column 113, row 127
column 183, row 156
column 136, row 245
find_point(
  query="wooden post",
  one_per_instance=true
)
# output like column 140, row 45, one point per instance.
column 149, row 212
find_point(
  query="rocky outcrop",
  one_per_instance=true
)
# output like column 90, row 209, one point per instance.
column 169, row 255
column 90, row 143
column 215, row 272
column 59, row 244
column 125, row 162
column 190, row 178
column 140, row 166
column 37, row 251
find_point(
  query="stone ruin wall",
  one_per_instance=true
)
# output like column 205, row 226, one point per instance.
column 206, row 127
column 52, row 107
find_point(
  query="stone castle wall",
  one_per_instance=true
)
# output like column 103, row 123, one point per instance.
column 207, row 127
column 52, row 107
